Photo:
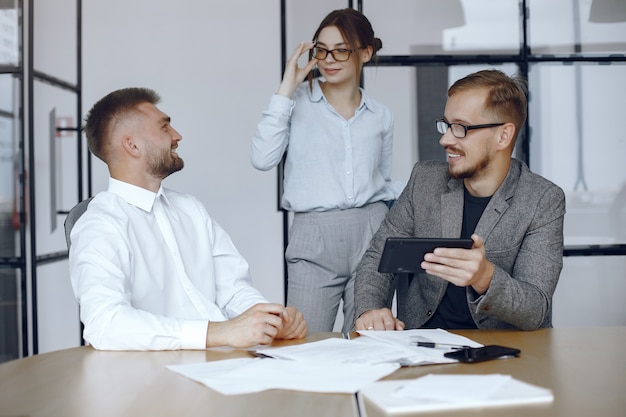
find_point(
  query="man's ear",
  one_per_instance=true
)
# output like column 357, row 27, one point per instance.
column 507, row 133
column 129, row 145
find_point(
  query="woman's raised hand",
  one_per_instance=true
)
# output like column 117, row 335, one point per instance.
column 294, row 75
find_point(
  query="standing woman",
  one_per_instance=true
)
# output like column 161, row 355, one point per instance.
column 338, row 166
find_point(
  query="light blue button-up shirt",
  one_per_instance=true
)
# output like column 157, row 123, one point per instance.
column 331, row 163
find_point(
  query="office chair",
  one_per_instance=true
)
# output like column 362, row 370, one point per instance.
column 72, row 218
column 402, row 282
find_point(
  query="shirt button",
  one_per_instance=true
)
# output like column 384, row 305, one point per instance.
column 349, row 172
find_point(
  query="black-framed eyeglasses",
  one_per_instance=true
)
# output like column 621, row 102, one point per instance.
column 459, row 130
column 339, row 54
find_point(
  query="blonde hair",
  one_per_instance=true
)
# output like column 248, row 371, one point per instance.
column 506, row 99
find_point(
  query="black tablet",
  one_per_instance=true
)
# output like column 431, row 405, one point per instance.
column 405, row 254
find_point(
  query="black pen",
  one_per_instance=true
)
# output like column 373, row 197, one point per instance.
column 441, row 345
column 260, row 355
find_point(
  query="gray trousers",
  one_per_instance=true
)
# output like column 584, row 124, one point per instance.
column 322, row 256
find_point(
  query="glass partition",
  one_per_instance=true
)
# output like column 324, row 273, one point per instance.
column 575, row 115
column 589, row 27
column 445, row 27
column 9, row 33
column 10, row 303
column 39, row 165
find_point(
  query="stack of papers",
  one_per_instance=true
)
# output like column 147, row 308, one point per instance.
column 375, row 347
column 241, row 376
column 347, row 366
column 408, row 340
column 446, row 392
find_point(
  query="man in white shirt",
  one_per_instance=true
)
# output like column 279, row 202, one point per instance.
column 150, row 269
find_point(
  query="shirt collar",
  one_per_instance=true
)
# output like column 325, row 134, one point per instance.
column 316, row 95
column 132, row 194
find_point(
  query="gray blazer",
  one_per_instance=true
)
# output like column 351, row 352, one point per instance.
column 522, row 227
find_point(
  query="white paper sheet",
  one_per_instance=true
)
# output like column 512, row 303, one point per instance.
column 329, row 365
column 411, row 337
column 453, row 388
column 241, row 376
column 420, row 355
column 447, row 392
column 359, row 350
column 375, row 347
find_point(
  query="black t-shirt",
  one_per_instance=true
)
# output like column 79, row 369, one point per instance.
column 453, row 312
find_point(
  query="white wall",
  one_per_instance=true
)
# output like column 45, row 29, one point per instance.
column 215, row 64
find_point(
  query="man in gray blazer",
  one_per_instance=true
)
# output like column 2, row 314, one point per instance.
column 513, row 216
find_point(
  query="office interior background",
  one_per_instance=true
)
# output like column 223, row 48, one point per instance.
column 216, row 65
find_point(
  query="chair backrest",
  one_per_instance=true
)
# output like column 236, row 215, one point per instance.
column 72, row 218
column 402, row 282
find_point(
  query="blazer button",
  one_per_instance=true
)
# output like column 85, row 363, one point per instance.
column 429, row 313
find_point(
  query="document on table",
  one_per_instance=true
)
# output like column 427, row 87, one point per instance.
column 330, row 365
column 246, row 375
column 376, row 347
column 411, row 337
column 421, row 355
column 359, row 350
column 446, row 392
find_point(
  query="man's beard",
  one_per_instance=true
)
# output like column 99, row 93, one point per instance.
column 164, row 164
column 470, row 171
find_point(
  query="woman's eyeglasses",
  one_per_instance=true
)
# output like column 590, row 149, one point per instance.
column 339, row 54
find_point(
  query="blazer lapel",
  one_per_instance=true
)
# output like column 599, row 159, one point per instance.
column 499, row 203
column 491, row 216
column 452, row 210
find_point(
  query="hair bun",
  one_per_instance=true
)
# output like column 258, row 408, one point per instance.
column 378, row 44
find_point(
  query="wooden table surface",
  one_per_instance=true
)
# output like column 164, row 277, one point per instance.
column 585, row 368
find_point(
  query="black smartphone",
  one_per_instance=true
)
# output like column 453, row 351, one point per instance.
column 484, row 353
column 405, row 254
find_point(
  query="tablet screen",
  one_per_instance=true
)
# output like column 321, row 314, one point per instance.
column 405, row 254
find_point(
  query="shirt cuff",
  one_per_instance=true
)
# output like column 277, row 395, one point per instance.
column 281, row 104
column 193, row 335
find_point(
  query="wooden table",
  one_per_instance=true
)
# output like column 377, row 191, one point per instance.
column 81, row 382
column 584, row 367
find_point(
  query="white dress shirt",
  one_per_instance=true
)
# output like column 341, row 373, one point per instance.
column 151, row 270
column 332, row 163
